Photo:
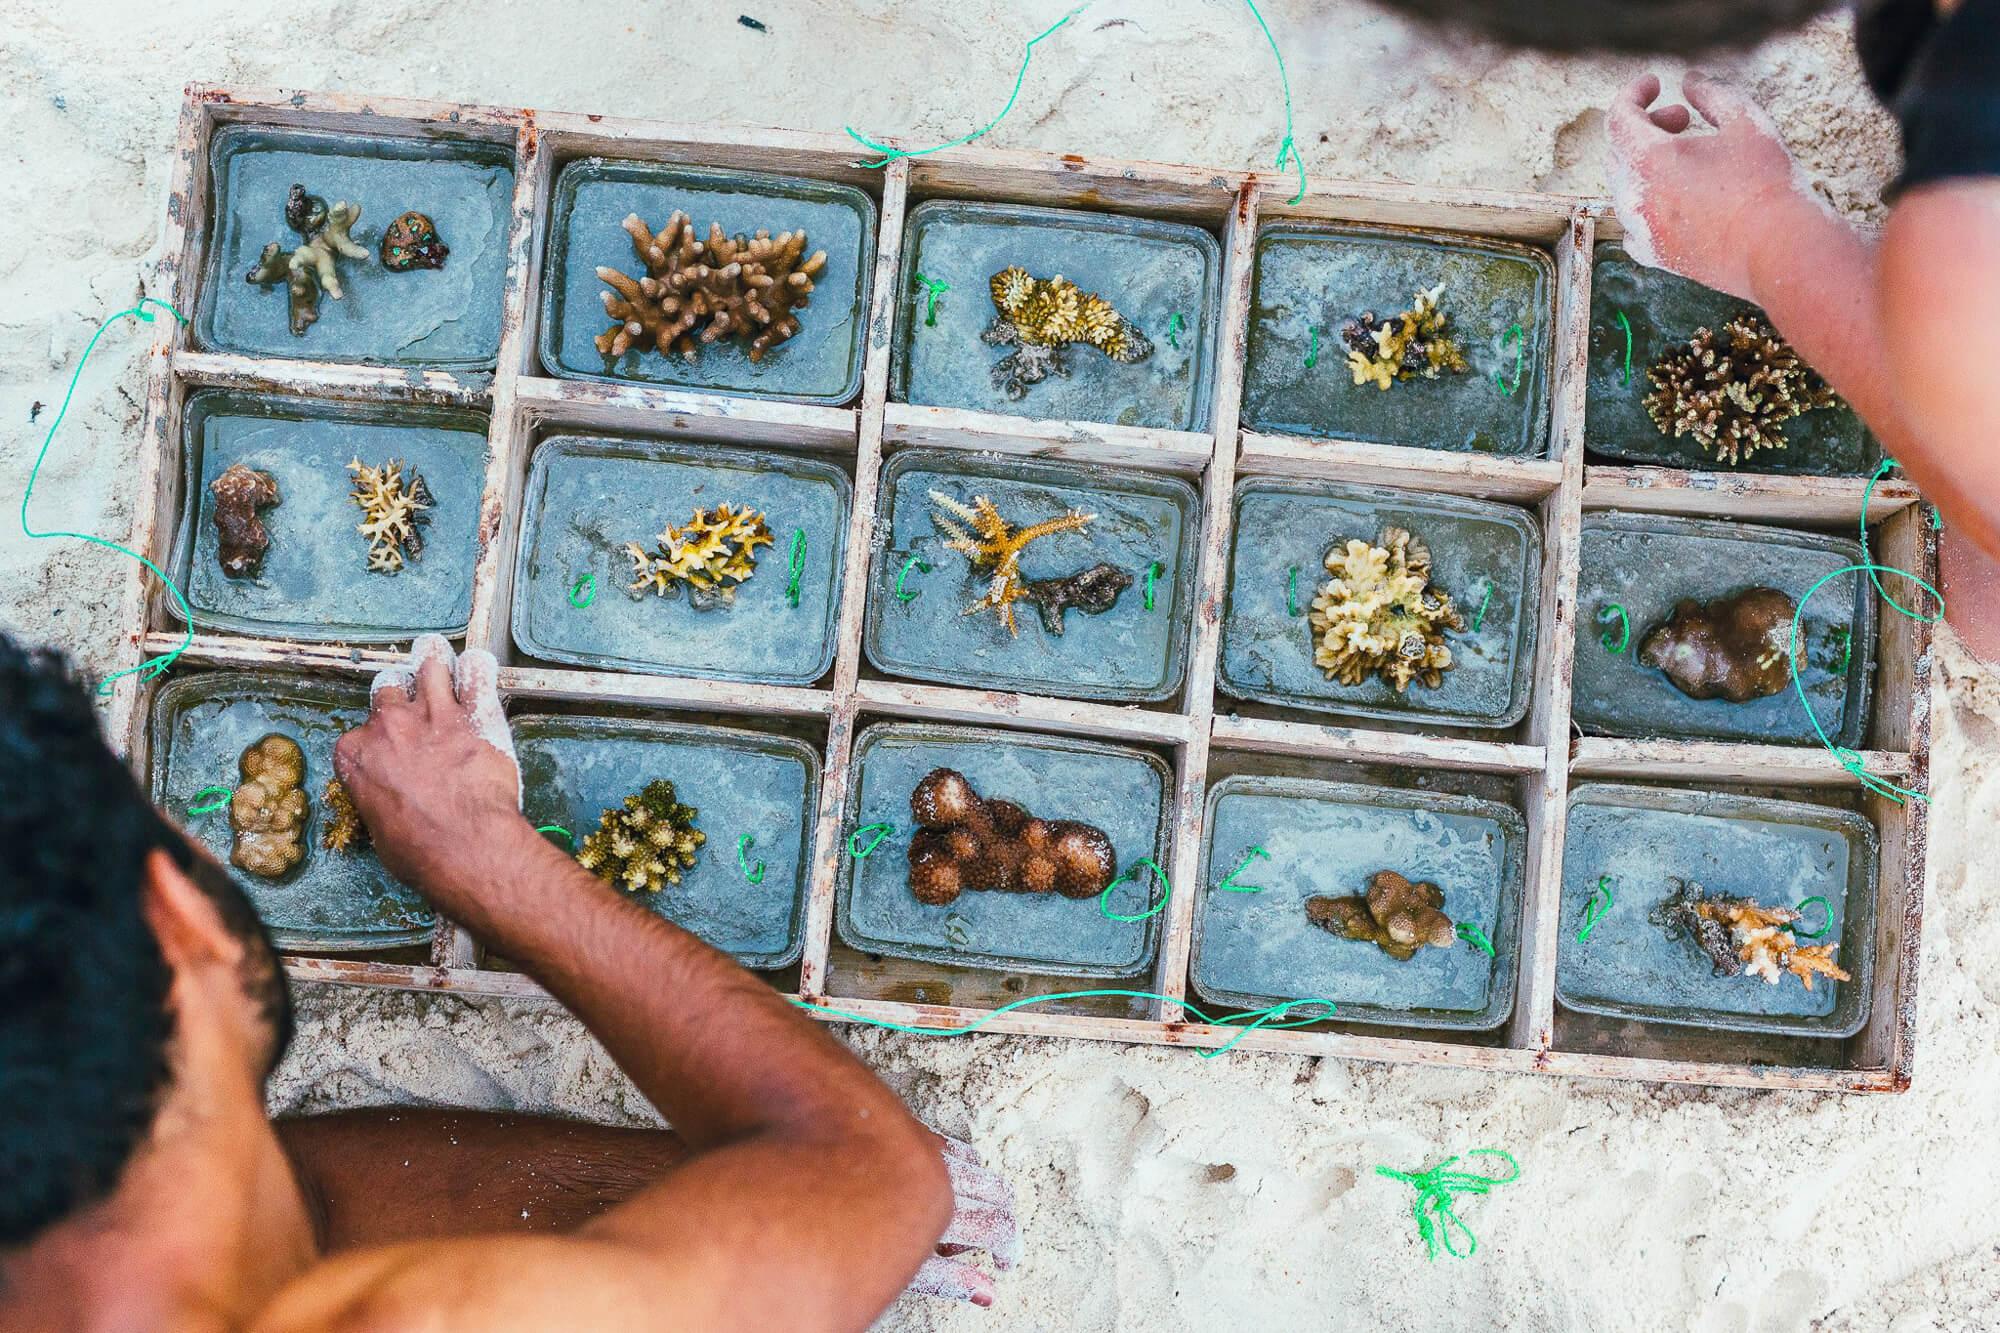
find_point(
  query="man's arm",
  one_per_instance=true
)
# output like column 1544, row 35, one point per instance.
column 810, row 1195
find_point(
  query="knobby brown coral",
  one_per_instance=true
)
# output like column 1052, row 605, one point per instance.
column 644, row 844
column 1092, row 591
column 1734, row 392
column 1396, row 915
column 1039, row 318
column 1735, row 648
column 1741, row 937
column 993, row 546
column 1410, row 342
column 241, row 539
column 968, row 842
column 394, row 510
column 344, row 831
column 711, row 555
column 1380, row 613
column 695, row 292
column 267, row 811
column 412, row 241
column 308, row 270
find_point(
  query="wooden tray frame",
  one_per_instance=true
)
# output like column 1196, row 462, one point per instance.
column 1539, row 757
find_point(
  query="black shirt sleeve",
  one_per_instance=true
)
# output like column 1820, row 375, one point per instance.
column 1941, row 79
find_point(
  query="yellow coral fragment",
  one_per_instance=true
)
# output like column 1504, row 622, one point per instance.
column 1379, row 613
column 994, row 547
column 710, row 555
column 1412, row 342
column 644, row 844
column 1040, row 317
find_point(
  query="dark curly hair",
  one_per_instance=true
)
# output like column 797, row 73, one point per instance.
column 1633, row 27
column 84, row 1018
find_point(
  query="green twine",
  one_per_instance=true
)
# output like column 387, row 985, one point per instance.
column 1174, row 325
column 1599, row 907
column 1520, row 354
column 568, row 837
column 208, row 807
column 583, row 592
column 1626, row 324
column 1479, row 617
column 881, row 831
column 1153, row 572
column 158, row 663
column 933, row 289
column 1229, row 884
column 916, row 562
column 1312, row 347
column 1287, row 148
column 1846, row 638
column 1824, row 926
column 795, row 570
column 1292, row 591
column 1476, row 937
column 1937, row 520
column 1436, row 1188
column 1605, row 615
column 755, row 874
column 1166, row 891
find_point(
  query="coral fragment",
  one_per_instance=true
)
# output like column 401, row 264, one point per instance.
column 1733, row 392
column 1744, row 938
column 308, row 270
column 1092, row 591
column 1396, row 915
column 695, row 292
column 968, row 842
column 267, row 811
column 710, row 555
column 1038, row 318
column 644, row 844
column 1735, row 648
column 1379, row 613
column 241, row 539
column 993, row 546
column 344, row 831
column 394, row 509
column 412, row 241
column 1409, row 343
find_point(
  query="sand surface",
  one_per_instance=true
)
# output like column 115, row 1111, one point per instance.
column 1157, row 1190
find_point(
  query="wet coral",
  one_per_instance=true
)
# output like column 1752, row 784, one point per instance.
column 1396, row 915
column 968, row 842
column 1744, row 938
column 710, row 556
column 1733, row 392
column 994, row 547
column 394, row 507
column 1039, row 318
column 1409, row 343
column 1379, row 613
column 308, row 269
column 645, row 843
column 344, row 831
column 1734, row 648
column 412, row 241
column 267, row 811
column 1092, row 591
column 696, row 292
column 241, row 539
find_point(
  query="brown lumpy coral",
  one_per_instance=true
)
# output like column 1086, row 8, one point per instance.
column 267, row 811
column 1741, row 937
column 1734, row 648
column 412, row 241
column 696, row 292
column 1411, row 342
column 241, row 538
column 1038, row 318
column 394, row 507
column 645, row 843
column 308, row 270
column 713, row 553
column 1733, row 391
column 966, row 841
column 1092, row 591
column 1379, row 613
column 994, row 547
column 344, row 831
column 1396, row 915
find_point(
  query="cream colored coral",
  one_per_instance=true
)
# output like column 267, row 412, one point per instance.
column 394, row 507
column 711, row 554
column 1765, row 945
column 1379, row 613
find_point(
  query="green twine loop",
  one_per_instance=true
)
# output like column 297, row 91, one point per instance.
column 221, row 794
column 933, row 289
column 854, row 847
column 1312, row 347
column 1174, row 325
column 583, row 592
column 1166, row 891
column 1599, row 906
column 1520, row 340
column 916, row 562
column 1288, row 149
column 795, row 569
column 1825, row 926
column 568, row 837
column 1605, row 615
column 1153, row 572
column 1476, row 937
column 155, row 665
column 1479, row 616
column 1626, row 324
column 1437, row 1221
column 755, row 874
column 1229, row 884
column 1292, row 591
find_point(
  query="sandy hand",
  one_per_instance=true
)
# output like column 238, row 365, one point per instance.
column 982, row 1220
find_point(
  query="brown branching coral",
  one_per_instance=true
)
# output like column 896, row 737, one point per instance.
column 267, row 811
column 344, row 831
column 994, row 547
column 1379, row 613
column 240, row 536
column 1734, row 391
column 1092, row 591
column 1734, row 648
column 1412, row 342
column 696, row 292
column 710, row 555
column 645, row 843
column 412, row 241
column 1038, row 318
column 308, row 270
column 1742, row 938
column 1396, row 915
column 394, row 510
column 968, row 842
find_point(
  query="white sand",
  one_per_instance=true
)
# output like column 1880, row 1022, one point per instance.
column 1157, row 1190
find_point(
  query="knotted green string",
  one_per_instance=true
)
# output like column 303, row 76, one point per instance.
column 1520, row 341
column 1825, row 926
column 1476, row 937
column 1437, row 1219
column 1143, row 863
column 1601, row 899
column 207, row 806
column 1606, row 614
column 1626, row 324
column 583, row 592
column 795, row 567
column 755, row 874
column 933, row 288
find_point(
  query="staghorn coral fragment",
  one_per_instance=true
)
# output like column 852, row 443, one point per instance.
column 695, row 292
column 1733, row 392
column 267, row 811
column 1038, row 318
column 1743, row 938
column 344, row 831
column 710, row 556
column 1409, row 343
column 1734, row 648
column 993, row 546
column 394, row 509
column 241, row 539
column 968, row 842
column 308, row 270
column 1092, row 591
column 644, row 844
column 1396, row 915
column 1379, row 613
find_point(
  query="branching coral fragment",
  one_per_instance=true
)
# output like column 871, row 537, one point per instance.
column 1735, row 648
column 267, row 811
column 344, row 831
column 695, row 292
column 1734, row 392
column 1038, row 318
column 968, row 842
column 240, row 536
column 644, row 844
column 1741, row 937
column 710, row 555
column 1380, row 613
column 1397, row 915
column 994, row 547
column 1411, row 342
column 394, row 510
column 309, row 270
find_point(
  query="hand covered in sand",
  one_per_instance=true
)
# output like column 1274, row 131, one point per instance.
column 982, row 1219
column 432, row 771
column 1701, row 200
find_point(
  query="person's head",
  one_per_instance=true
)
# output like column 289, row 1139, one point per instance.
column 132, row 967
column 1633, row 27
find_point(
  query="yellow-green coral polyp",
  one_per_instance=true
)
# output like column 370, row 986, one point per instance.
column 645, row 844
